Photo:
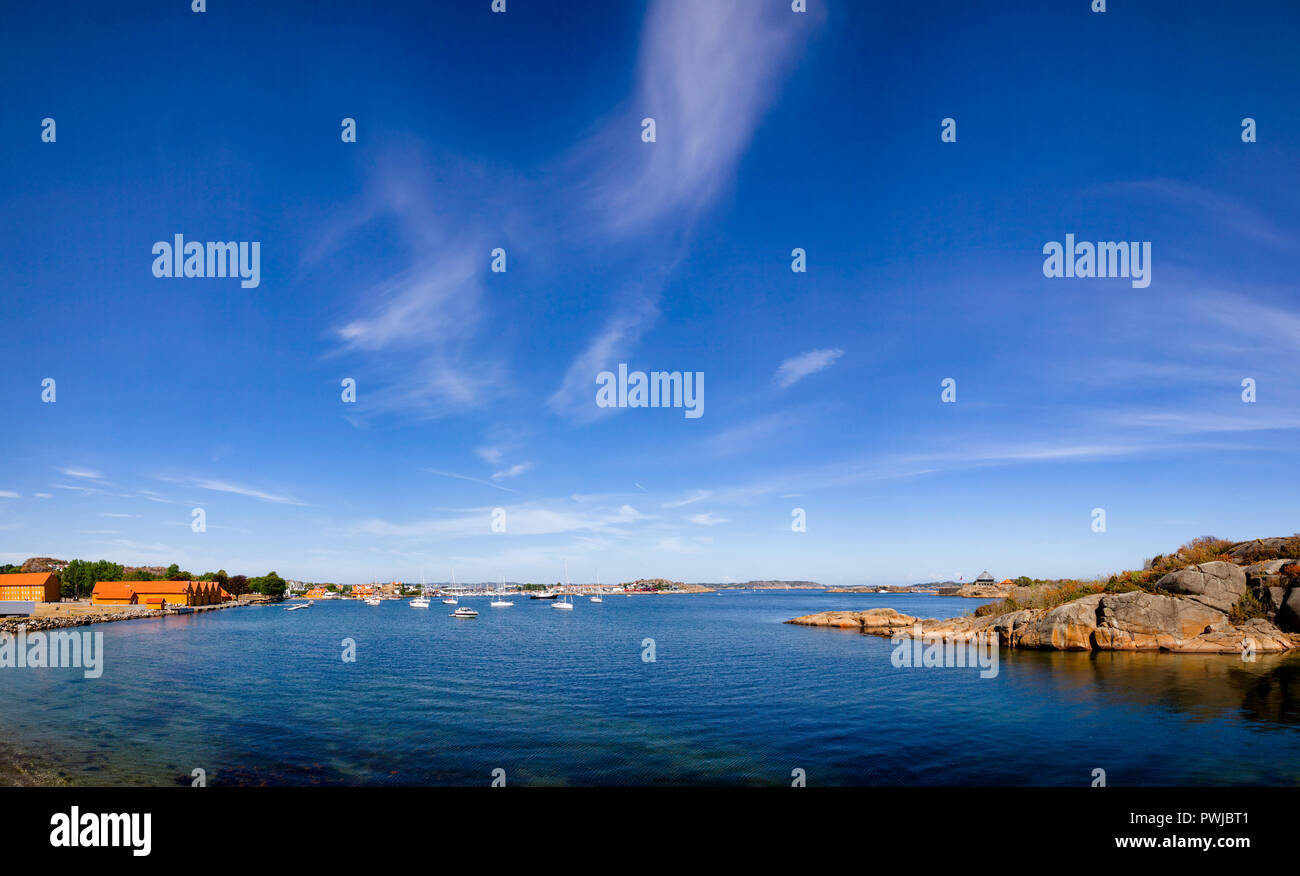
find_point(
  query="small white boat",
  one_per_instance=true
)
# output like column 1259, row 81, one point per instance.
column 373, row 600
column 565, row 602
column 501, row 601
column 419, row 602
column 464, row 611
column 451, row 600
column 597, row 597
column 298, row 606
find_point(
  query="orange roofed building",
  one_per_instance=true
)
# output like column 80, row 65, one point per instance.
column 30, row 587
column 158, row 594
column 113, row 593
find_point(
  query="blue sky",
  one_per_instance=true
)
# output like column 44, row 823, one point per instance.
column 476, row 390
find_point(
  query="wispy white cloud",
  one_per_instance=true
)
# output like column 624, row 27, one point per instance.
column 512, row 471
column 416, row 327
column 1231, row 213
column 706, row 73
column 796, row 368
column 614, row 343
column 697, row 496
column 461, row 477
column 9, row 494
column 491, row 455
column 141, row 553
column 425, row 305
column 708, row 518
column 521, row 520
column 678, row 545
column 220, row 486
column 82, row 473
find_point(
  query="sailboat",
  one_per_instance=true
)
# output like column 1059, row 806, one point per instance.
column 565, row 602
column 501, row 601
column 420, row 601
column 451, row 600
column 597, row 597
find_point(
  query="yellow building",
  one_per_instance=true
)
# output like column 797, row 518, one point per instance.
column 30, row 587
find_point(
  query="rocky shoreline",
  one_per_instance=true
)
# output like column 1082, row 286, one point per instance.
column 1189, row 616
column 44, row 622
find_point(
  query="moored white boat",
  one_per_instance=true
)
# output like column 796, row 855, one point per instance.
column 419, row 602
column 464, row 611
column 501, row 601
column 564, row 603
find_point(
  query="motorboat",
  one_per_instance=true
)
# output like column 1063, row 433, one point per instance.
column 464, row 611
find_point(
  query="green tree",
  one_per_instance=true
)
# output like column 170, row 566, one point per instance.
column 78, row 579
column 269, row 584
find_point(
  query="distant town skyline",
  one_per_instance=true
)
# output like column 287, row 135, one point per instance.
column 840, row 235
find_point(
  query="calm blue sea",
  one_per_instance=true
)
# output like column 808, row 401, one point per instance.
column 261, row 696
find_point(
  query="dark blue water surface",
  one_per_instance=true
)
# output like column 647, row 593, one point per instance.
column 735, row 696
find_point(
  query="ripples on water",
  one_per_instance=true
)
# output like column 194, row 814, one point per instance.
column 261, row 696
